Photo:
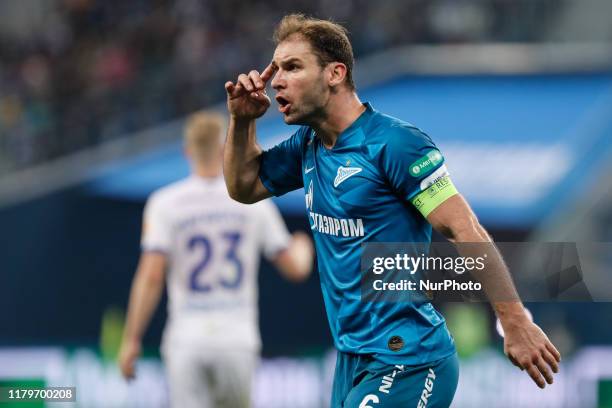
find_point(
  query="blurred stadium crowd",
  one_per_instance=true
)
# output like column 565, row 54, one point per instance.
column 74, row 73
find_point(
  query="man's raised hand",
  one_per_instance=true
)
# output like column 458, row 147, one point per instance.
column 247, row 98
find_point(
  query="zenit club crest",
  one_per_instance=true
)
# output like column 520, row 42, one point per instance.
column 344, row 173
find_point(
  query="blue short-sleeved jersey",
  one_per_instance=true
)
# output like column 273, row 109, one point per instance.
column 359, row 192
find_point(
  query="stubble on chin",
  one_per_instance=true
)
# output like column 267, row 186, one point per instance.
column 288, row 120
column 294, row 119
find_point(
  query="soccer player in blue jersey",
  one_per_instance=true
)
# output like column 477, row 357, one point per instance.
column 368, row 177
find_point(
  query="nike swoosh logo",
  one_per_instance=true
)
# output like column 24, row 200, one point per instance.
column 308, row 170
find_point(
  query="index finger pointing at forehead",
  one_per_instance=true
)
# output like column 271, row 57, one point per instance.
column 268, row 72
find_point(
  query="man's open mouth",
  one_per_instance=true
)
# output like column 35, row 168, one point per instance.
column 283, row 105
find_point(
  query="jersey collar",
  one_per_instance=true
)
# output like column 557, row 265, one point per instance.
column 208, row 181
column 353, row 135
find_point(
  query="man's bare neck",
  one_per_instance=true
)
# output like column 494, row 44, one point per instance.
column 342, row 111
column 207, row 171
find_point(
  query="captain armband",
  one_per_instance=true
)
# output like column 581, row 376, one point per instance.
column 428, row 200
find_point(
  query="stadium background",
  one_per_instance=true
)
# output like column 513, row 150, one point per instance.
column 516, row 93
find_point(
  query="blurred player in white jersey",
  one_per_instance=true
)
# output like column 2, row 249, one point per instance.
column 209, row 245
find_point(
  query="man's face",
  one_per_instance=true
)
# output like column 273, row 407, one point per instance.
column 301, row 89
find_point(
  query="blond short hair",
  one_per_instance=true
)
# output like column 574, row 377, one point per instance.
column 204, row 131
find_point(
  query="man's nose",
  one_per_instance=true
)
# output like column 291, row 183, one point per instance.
column 277, row 81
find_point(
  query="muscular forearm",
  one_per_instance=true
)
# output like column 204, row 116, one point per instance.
column 524, row 342
column 246, row 101
column 474, row 241
column 241, row 159
column 144, row 298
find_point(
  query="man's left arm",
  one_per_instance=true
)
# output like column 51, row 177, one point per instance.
column 148, row 282
column 415, row 170
column 525, row 343
column 146, row 292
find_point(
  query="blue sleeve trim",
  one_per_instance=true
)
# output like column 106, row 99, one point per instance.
column 268, row 184
column 276, row 177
